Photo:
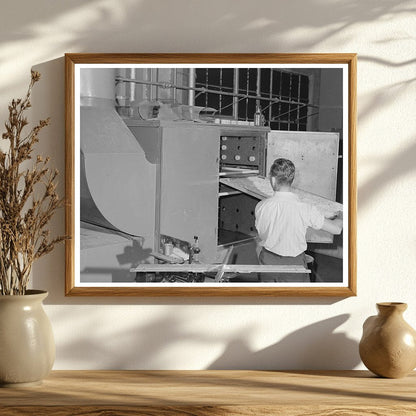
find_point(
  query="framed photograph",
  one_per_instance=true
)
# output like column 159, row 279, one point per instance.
column 211, row 174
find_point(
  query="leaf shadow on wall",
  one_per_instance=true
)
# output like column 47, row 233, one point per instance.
column 403, row 162
column 106, row 26
column 393, row 169
column 316, row 346
column 146, row 345
column 155, row 343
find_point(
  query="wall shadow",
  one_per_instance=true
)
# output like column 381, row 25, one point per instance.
column 77, row 26
column 393, row 169
column 134, row 19
column 382, row 98
column 316, row 346
column 143, row 345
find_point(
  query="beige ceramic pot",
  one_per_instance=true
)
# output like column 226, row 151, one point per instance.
column 27, row 347
column 388, row 345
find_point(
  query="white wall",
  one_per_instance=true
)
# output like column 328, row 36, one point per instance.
column 201, row 333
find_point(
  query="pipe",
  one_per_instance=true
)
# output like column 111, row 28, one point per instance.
column 191, row 94
column 205, row 90
column 258, row 87
column 97, row 83
column 132, row 89
column 175, row 77
column 235, row 91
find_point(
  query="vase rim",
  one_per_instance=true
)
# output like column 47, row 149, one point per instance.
column 392, row 305
column 35, row 292
column 32, row 293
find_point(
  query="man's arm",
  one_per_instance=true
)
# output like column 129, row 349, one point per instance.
column 333, row 225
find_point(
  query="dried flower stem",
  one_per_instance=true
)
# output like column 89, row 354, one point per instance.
column 23, row 217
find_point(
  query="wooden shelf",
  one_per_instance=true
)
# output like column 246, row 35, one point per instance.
column 208, row 393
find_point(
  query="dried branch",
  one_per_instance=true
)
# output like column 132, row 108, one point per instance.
column 24, row 217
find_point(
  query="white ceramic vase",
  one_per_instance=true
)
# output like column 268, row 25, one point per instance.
column 27, row 347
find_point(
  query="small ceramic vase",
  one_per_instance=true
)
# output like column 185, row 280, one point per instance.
column 388, row 345
column 27, row 347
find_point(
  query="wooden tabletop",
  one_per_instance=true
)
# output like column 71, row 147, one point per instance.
column 207, row 393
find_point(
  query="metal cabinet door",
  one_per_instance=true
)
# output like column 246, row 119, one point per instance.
column 189, row 185
column 315, row 155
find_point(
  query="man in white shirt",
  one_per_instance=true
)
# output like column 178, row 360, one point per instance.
column 282, row 221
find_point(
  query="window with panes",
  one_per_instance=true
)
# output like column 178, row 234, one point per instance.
column 282, row 95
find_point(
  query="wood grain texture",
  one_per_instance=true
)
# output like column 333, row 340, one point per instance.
column 210, row 411
column 177, row 58
column 223, row 291
column 69, row 174
column 203, row 393
column 352, row 174
column 71, row 60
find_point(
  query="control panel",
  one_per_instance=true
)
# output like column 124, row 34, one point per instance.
column 243, row 151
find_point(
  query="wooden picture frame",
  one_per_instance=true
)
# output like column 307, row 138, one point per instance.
column 153, row 112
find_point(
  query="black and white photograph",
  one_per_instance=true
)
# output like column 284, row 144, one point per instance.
column 211, row 176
